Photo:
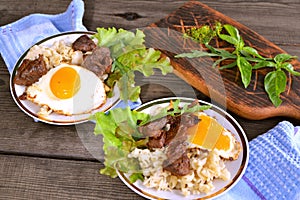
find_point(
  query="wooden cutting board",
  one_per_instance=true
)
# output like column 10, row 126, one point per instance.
column 223, row 86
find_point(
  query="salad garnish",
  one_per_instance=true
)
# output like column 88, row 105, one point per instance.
column 130, row 55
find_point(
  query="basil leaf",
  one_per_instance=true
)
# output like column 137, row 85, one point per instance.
column 289, row 67
column 220, row 52
column 251, row 59
column 264, row 63
column 251, row 51
column 218, row 62
column 245, row 69
column 280, row 58
column 195, row 54
column 231, row 65
column 275, row 84
column 233, row 32
column 229, row 39
column 240, row 45
column 233, row 37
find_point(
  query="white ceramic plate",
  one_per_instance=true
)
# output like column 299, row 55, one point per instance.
column 236, row 168
column 32, row 109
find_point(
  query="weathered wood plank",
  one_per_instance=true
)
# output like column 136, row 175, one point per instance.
column 63, row 168
column 281, row 28
column 39, row 178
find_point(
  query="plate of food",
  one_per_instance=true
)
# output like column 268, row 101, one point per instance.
column 174, row 148
column 65, row 78
column 52, row 83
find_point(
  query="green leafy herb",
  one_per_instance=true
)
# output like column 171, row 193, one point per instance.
column 178, row 110
column 129, row 55
column 246, row 70
column 119, row 128
column 246, row 58
column 204, row 34
column 275, row 83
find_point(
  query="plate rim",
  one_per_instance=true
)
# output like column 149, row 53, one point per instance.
column 230, row 118
column 32, row 114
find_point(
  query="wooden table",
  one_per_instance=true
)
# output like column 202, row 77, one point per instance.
column 41, row 161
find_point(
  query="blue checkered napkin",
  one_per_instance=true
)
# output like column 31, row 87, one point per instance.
column 17, row 37
column 273, row 171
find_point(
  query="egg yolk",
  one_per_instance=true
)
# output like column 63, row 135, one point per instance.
column 208, row 134
column 223, row 143
column 65, row 83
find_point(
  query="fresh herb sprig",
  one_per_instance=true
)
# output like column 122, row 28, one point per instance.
column 246, row 58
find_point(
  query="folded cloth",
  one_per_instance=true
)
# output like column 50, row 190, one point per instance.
column 273, row 171
column 17, row 37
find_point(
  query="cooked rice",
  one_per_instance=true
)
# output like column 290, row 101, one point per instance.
column 56, row 54
column 205, row 168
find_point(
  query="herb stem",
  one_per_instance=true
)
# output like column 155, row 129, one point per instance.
column 245, row 58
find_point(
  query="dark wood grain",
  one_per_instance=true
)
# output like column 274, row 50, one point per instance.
column 24, row 177
column 40, row 161
column 251, row 103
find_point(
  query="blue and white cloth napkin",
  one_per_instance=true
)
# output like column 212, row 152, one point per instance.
column 273, row 171
column 17, row 37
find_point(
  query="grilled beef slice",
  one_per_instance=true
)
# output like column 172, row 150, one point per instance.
column 171, row 132
column 157, row 142
column 84, row 43
column 179, row 167
column 177, row 128
column 177, row 161
column 154, row 128
column 30, row 71
column 174, row 123
column 99, row 61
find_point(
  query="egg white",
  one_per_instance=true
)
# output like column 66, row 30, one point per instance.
column 90, row 96
column 234, row 149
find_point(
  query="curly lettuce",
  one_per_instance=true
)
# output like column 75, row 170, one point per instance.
column 129, row 55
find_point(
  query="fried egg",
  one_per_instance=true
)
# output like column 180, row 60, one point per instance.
column 211, row 135
column 68, row 90
column 227, row 146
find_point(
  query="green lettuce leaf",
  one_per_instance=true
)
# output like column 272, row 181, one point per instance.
column 120, row 41
column 120, row 136
column 129, row 55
